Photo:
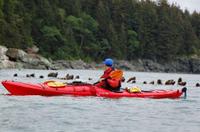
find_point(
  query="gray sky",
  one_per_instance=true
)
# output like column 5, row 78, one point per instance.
column 190, row 5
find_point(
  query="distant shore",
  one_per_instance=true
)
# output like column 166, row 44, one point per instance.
column 19, row 59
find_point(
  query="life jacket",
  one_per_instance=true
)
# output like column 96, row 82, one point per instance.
column 107, row 72
column 113, row 83
column 114, row 79
column 116, row 74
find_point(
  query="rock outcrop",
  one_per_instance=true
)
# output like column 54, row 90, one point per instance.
column 4, row 60
column 32, row 50
column 17, row 58
column 3, row 51
column 195, row 65
column 179, row 65
column 35, row 61
column 76, row 64
column 15, row 54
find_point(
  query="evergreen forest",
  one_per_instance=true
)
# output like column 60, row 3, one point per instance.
column 94, row 29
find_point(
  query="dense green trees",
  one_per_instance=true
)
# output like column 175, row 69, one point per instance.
column 95, row 29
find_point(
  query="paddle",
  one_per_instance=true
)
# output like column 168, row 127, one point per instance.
column 96, row 82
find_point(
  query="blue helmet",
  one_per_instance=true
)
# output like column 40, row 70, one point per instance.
column 108, row 62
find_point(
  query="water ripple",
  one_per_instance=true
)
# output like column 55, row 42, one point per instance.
column 88, row 114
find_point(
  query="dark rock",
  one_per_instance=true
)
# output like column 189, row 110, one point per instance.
column 62, row 78
column 179, row 79
column 182, row 83
column 152, row 82
column 89, row 78
column 32, row 75
column 159, row 82
column 77, row 77
column 131, row 79
column 15, row 75
column 197, row 84
column 144, row 82
column 27, row 75
column 53, row 74
column 69, row 77
column 170, row 82
column 41, row 76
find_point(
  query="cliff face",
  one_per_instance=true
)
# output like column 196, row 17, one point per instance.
column 181, row 65
column 17, row 58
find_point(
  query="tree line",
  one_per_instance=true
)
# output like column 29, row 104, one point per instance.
column 94, row 29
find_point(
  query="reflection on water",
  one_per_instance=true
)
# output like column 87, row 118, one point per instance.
column 65, row 113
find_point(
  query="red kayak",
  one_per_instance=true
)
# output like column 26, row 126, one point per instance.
column 155, row 94
column 20, row 88
column 80, row 89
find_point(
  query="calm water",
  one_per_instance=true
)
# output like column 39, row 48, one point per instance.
column 89, row 114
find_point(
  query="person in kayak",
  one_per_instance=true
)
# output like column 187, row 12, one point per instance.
column 111, row 79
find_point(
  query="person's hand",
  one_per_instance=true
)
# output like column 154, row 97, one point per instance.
column 101, row 79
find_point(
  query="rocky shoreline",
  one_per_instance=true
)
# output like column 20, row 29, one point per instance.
column 30, row 59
